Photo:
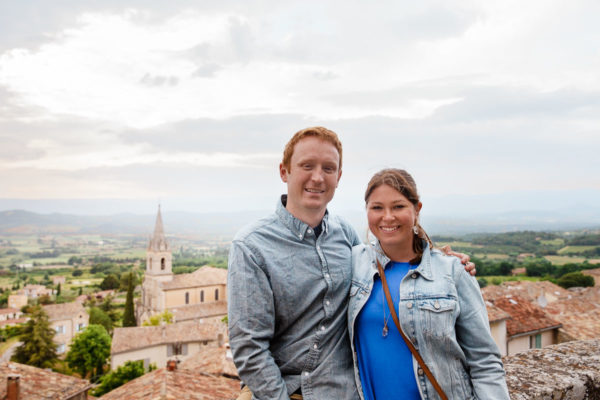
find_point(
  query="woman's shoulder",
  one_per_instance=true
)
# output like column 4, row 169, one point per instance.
column 362, row 256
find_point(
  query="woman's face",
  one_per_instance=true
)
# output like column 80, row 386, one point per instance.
column 391, row 217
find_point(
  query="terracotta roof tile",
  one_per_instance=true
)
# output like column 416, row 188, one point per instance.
column 126, row 339
column 203, row 276
column 211, row 360
column 64, row 311
column 40, row 384
column 524, row 316
column 495, row 314
column 9, row 311
column 175, row 385
column 579, row 313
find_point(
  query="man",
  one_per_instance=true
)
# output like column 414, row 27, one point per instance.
column 288, row 282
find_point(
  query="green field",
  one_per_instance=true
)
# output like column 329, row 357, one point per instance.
column 492, row 256
column 553, row 242
column 575, row 249
column 459, row 244
column 560, row 260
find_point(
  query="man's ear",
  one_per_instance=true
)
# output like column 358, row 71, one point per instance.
column 339, row 177
column 283, row 173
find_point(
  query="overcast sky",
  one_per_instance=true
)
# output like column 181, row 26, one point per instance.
column 190, row 103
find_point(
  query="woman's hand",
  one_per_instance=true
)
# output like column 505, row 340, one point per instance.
column 464, row 258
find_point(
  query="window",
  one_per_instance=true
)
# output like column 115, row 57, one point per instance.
column 61, row 348
column 535, row 341
column 80, row 327
column 187, row 298
column 216, row 294
column 162, row 263
column 202, row 296
column 177, row 349
column 59, row 329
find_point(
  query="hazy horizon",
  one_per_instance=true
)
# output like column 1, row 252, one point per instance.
column 117, row 106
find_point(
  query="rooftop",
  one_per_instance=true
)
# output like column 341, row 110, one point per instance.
column 175, row 385
column 524, row 316
column 58, row 312
column 40, row 384
column 201, row 310
column 579, row 313
column 126, row 339
column 9, row 311
column 212, row 360
column 495, row 314
column 203, row 276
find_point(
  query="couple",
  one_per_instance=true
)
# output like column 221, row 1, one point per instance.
column 308, row 315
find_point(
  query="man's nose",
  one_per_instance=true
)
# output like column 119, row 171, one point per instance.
column 317, row 175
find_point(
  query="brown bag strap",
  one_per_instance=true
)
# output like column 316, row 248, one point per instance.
column 412, row 348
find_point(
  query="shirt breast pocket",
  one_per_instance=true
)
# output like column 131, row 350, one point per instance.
column 357, row 289
column 437, row 316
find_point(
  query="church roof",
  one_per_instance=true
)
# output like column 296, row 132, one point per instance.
column 158, row 242
column 203, row 276
column 201, row 310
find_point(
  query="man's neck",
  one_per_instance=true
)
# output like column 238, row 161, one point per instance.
column 312, row 219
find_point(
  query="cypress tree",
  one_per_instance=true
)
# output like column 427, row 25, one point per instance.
column 129, row 314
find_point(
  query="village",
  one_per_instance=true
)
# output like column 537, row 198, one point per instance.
column 173, row 339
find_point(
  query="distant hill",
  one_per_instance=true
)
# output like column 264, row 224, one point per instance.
column 224, row 225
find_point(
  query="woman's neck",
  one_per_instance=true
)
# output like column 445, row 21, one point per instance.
column 399, row 253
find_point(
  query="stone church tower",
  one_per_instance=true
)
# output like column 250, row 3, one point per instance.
column 159, row 268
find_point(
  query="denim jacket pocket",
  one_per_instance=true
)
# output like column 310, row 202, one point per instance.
column 437, row 316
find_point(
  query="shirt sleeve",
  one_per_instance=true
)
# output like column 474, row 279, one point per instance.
column 474, row 336
column 251, row 315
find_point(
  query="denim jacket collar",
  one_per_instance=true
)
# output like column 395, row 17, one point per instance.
column 297, row 227
column 424, row 268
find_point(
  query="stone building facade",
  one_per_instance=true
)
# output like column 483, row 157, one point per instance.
column 198, row 295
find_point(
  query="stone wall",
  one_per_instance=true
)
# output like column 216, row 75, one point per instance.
column 569, row 371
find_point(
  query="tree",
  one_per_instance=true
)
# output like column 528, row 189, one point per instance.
column 110, row 282
column 89, row 351
column 77, row 272
column 129, row 313
column 123, row 374
column 58, row 290
column 575, row 279
column 38, row 348
column 99, row 317
column 155, row 320
column 109, row 308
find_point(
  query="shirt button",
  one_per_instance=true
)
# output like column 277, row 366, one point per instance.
column 414, row 276
column 420, row 371
column 327, row 302
column 300, row 236
column 436, row 305
column 326, row 276
column 309, row 230
column 306, row 373
column 322, row 327
column 315, row 346
column 409, row 305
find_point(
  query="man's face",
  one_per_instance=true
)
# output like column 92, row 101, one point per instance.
column 312, row 177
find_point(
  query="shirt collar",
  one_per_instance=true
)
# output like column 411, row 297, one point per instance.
column 297, row 227
column 424, row 268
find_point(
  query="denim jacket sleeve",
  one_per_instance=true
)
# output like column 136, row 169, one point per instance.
column 251, row 316
column 474, row 337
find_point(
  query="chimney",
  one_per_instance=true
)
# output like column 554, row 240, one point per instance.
column 12, row 387
column 171, row 365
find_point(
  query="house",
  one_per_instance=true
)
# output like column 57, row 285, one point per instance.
column 67, row 320
column 204, row 289
column 58, row 279
column 11, row 316
column 157, row 344
column 24, row 382
column 17, row 301
column 528, row 327
column 497, row 319
column 35, row 291
column 175, row 383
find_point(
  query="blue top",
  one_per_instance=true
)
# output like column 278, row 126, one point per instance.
column 287, row 303
column 384, row 362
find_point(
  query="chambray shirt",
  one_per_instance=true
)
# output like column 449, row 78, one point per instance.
column 287, row 303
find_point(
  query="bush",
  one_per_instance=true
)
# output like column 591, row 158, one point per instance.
column 110, row 282
column 575, row 279
column 482, row 282
column 77, row 272
column 123, row 374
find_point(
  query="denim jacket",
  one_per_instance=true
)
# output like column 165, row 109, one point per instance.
column 442, row 312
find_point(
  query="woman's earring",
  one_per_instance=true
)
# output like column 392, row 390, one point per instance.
column 415, row 230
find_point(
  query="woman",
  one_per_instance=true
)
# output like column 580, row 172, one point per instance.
column 438, row 303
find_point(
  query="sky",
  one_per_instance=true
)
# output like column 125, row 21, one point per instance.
column 124, row 104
